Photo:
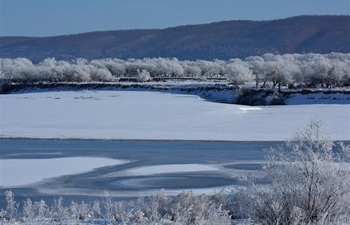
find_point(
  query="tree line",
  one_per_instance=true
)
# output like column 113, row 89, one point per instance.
column 268, row 70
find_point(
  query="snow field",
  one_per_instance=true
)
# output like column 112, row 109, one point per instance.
column 157, row 116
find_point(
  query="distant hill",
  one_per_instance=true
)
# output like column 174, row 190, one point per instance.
column 221, row 40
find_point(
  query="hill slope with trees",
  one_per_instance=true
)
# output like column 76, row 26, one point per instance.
column 220, row 40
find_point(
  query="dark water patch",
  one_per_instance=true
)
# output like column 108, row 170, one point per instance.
column 176, row 182
column 150, row 152
column 250, row 166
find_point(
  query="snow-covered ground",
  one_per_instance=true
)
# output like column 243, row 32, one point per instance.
column 318, row 98
column 156, row 115
column 23, row 172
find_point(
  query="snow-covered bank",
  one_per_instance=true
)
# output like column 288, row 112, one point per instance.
column 215, row 91
column 157, row 116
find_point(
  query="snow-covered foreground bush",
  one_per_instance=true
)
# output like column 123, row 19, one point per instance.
column 307, row 182
column 184, row 208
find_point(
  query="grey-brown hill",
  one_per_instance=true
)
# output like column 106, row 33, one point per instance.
column 221, row 40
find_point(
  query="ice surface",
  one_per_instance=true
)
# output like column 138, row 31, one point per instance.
column 159, row 116
column 170, row 168
column 21, row 172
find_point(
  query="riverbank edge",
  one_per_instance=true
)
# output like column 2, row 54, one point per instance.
column 215, row 92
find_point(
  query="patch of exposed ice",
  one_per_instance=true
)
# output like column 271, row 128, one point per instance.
column 250, row 108
column 170, row 168
column 22, row 172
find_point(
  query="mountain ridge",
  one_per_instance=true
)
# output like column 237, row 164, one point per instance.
column 221, row 40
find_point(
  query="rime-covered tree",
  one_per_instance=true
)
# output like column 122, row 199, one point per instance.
column 238, row 71
column 313, row 70
column 143, row 76
column 307, row 182
column 257, row 65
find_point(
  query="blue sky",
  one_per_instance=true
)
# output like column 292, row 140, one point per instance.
column 58, row 17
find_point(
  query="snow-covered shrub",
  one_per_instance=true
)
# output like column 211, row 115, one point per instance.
column 143, row 76
column 238, row 72
column 58, row 212
column 307, row 182
column 11, row 211
column 183, row 209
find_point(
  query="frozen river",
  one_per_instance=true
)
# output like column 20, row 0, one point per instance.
column 130, row 115
column 83, row 169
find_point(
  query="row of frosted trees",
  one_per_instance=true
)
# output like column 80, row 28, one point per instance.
column 267, row 70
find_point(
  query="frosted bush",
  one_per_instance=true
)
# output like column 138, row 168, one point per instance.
column 307, row 183
column 143, row 76
column 185, row 208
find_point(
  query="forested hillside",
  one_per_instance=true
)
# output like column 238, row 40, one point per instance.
column 221, row 40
